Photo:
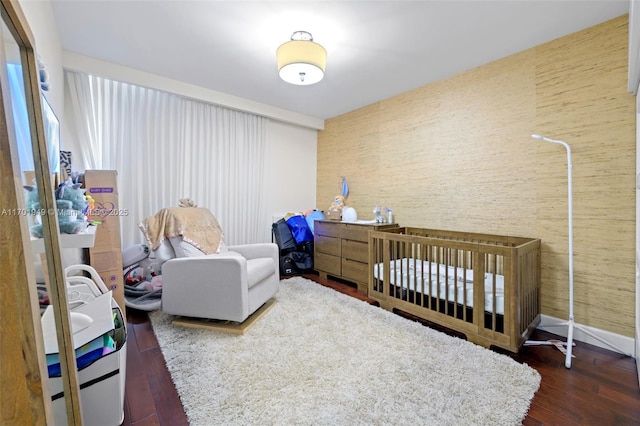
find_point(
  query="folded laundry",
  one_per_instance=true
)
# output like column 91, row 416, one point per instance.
column 85, row 354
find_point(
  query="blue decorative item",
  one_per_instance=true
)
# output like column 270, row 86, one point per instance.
column 345, row 187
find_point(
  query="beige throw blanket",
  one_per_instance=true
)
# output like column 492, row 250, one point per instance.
column 196, row 225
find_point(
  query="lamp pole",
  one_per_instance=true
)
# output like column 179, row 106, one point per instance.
column 571, row 322
column 567, row 362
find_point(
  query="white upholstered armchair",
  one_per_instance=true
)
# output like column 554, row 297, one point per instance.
column 228, row 286
column 203, row 278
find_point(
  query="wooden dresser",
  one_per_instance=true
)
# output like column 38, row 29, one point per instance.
column 341, row 250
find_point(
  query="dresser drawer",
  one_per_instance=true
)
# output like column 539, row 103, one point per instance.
column 354, row 270
column 329, row 229
column 355, row 232
column 327, row 245
column 327, row 263
column 342, row 249
column 355, row 250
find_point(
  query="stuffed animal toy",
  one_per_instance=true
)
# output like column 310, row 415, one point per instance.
column 32, row 202
column 70, row 203
column 377, row 211
column 33, row 208
column 335, row 209
column 91, row 204
column 71, row 192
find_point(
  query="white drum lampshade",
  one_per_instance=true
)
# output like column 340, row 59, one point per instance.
column 300, row 60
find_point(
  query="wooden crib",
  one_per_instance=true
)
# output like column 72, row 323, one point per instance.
column 441, row 276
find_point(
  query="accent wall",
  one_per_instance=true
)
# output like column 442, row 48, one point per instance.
column 457, row 154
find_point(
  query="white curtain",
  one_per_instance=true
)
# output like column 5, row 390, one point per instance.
column 166, row 147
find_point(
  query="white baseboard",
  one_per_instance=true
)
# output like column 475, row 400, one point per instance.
column 621, row 344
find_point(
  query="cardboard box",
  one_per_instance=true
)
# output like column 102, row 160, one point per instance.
column 30, row 178
column 113, row 279
column 106, row 254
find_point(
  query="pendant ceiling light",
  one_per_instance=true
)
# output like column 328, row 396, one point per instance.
column 300, row 60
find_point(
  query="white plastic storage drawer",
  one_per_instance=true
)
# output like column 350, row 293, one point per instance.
column 94, row 315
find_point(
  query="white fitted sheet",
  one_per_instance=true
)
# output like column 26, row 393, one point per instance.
column 426, row 277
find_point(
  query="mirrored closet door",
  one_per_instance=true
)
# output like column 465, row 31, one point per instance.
column 24, row 144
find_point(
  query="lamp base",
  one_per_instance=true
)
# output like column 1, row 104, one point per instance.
column 567, row 348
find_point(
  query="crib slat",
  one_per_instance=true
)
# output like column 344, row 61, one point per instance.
column 478, row 288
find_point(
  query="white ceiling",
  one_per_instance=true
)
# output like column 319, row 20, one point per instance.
column 376, row 49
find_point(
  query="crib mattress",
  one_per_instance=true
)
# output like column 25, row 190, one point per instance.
column 446, row 282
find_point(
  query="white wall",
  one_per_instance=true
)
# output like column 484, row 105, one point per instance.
column 290, row 169
column 637, row 335
column 39, row 15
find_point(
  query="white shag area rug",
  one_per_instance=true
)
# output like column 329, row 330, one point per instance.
column 323, row 358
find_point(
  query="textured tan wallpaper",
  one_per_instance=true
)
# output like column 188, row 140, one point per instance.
column 457, row 154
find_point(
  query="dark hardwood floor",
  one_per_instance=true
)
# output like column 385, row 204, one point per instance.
column 601, row 388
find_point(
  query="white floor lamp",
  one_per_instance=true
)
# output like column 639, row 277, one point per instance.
column 570, row 323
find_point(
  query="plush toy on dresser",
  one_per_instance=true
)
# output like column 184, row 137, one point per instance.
column 70, row 204
column 334, row 212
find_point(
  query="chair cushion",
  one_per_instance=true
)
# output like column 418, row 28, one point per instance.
column 259, row 269
column 184, row 249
